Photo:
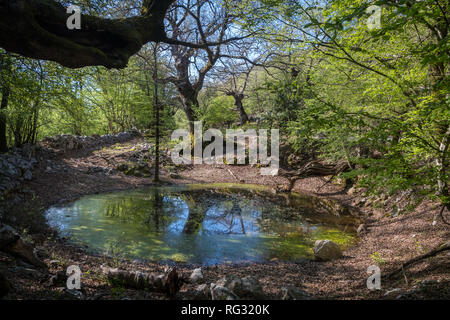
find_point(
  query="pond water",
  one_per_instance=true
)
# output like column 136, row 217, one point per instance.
column 201, row 224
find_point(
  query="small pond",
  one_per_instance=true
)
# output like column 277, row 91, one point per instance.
column 201, row 224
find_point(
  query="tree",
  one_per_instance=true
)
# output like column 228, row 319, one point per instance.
column 201, row 22
column 384, row 89
column 237, row 74
column 37, row 29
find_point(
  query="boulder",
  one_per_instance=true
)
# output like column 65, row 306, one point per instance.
column 361, row 229
column 247, row 287
column 196, row 276
column 222, row 293
column 75, row 294
column 326, row 250
column 202, row 292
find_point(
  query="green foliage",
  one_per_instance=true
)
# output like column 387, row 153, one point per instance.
column 377, row 98
column 219, row 113
column 377, row 258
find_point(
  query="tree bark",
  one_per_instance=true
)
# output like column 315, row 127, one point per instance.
column 37, row 29
column 169, row 283
column 314, row 169
column 11, row 242
column 240, row 107
column 189, row 101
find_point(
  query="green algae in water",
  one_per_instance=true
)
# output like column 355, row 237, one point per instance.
column 205, row 224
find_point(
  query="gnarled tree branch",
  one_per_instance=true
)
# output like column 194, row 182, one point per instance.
column 37, row 29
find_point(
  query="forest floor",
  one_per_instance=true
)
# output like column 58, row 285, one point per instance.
column 395, row 238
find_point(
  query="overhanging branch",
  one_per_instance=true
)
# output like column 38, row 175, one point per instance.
column 37, row 29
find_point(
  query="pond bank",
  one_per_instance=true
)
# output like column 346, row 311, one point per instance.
column 71, row 176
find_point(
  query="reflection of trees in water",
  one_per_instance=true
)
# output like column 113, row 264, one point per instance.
column 153, row 211
column 220, row 211
column 209, row 211
column 226, row 219
column 196, row 215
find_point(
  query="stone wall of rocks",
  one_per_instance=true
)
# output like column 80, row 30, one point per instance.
column 16, row 166
column 71, row 142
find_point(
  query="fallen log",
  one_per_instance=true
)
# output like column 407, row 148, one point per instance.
column 168, row 283
column 429, row 254
column 314, row 168
column 11, row 242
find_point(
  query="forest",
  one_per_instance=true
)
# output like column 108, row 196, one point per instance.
column 93, row 206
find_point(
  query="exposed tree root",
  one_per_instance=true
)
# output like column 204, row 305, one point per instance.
column 11, row 242
column 435, row 251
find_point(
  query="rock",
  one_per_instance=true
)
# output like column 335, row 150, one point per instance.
column 251, row 288
column 361, row 229
column 222, row 293
column 247, row 287
column 74, row 294
column 196, row 276
column 326, row 250
column 5, row 286
column 202, row 292
column 229, row 281
column 427, row 285
column 294, row 293
column 16, row 166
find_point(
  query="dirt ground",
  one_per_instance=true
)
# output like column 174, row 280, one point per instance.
column 394, row 239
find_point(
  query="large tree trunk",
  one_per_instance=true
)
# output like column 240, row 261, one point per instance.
column 240, row 108
column 38, row 29
column 189, row 102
